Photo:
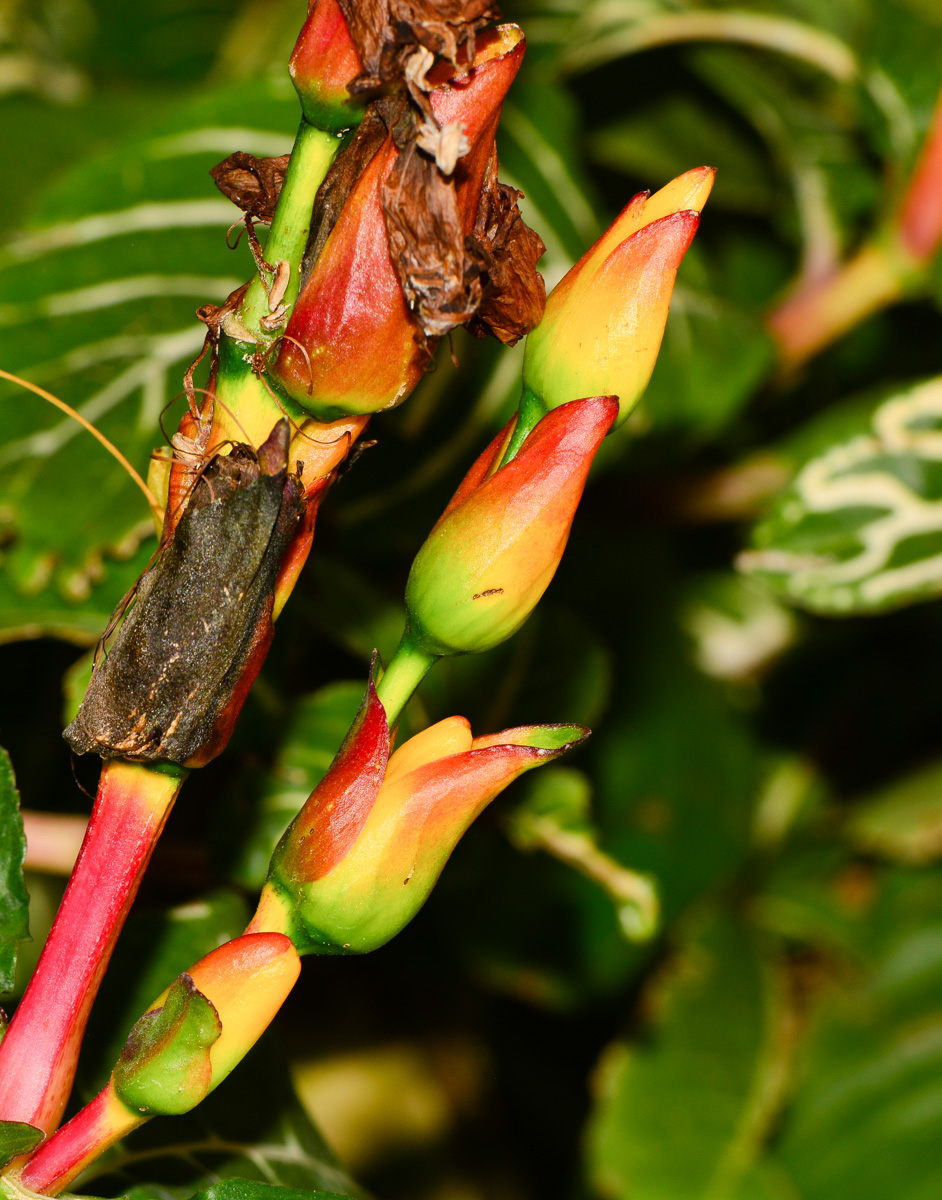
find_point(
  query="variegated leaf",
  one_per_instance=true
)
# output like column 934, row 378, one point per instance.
column 99, row 294
column 859, row 529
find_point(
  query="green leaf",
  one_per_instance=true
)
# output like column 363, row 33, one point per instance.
column 14, row 899
column 738, row 629
column 811, row 134
column 903, row 42
column 538, row 143
column 683, row 1113
column 860, row 527
column 159, row 38
column 33, row 609
column 676, row 775
column 670, row 134
column 903, row 821
column 99, row 293
column 16, row 1137
column 250, row 1189
column 864, row 1121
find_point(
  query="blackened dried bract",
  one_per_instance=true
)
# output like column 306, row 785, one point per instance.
column 171, row 684
column 386, row 32
column 514, row 293
column 253, row 184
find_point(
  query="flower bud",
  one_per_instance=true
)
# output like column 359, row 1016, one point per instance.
column 324, row 61
column 181, row 1048
column 205, row 1023
column 361, row 857
column 604, row 321
column 351, row 343
column 247, row 980
column 495, row 549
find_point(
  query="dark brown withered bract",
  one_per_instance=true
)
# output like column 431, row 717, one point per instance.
column 252, row 184
column 439, row 273
column 488, row 281
column 170, row 686
column 514, row 291
column 386, row 32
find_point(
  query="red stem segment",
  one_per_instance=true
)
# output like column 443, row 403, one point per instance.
column 89, row 1134
column 39, row 1052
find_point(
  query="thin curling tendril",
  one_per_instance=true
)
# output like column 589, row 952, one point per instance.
column 112, row 449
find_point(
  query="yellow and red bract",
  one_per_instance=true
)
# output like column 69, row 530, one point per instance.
column 361, row 857
column 605, row 320
column 496, row 547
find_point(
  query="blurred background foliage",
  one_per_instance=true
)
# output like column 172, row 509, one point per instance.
column 747, row 616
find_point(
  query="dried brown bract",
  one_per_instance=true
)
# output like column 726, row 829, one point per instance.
column 388, row 32
column 441, row 280
column 514, row 291
column 252, row 184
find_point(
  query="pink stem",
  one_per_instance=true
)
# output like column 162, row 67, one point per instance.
column 38, row 1055
column 920, row 218
column 817, row 315
column 92, row 1131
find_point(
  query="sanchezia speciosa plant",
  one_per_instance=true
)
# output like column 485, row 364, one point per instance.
column 380, row 243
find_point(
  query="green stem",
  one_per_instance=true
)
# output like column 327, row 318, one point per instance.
column 313, row 153
column 406, row 670
column 634, row 894
column 246, row 409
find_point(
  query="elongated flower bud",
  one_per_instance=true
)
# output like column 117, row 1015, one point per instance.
column 183, row 1046
column 324, row 61
column 361, row 857
column 495, row 549
column 604, row 321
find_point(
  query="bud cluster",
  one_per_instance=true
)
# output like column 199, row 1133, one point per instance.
column 408, row 234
